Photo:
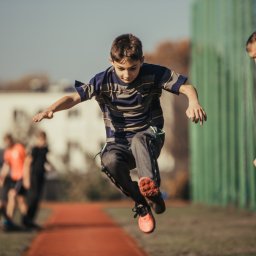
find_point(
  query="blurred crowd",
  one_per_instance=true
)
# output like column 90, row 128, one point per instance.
column 22, row 179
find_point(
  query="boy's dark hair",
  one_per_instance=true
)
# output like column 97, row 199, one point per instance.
column 126, row 46
column 251, row 39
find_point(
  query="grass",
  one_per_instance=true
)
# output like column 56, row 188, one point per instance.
column 194, row 230
column 15, row 243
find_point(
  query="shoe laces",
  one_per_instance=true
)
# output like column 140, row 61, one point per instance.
column 140, row 210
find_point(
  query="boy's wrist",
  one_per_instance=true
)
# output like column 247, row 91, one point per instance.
column 50, row 109
column 193, row 101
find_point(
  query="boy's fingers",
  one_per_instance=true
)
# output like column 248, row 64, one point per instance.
column 201, row 117
column 197, row 112
column 192, row 117
column 50, row 114
column 35, row 118
column 201, row 114
column 197, row 115
column 40, row 116
column 205, row 116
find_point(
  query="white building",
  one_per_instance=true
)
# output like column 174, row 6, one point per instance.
column 71, row 134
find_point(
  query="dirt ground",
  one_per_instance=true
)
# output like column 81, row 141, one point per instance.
column 110, row 229
column 195, row 230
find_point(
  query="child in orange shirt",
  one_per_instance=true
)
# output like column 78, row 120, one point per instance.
column 11, row 177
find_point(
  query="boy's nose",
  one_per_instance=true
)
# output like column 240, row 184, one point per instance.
column 126, row 74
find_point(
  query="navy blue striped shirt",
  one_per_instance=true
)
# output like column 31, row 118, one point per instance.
column 130, row 108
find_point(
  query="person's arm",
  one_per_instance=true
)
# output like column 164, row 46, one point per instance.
column 3, row 173
column 63, row 103
column 194, row 111
column 26, row 171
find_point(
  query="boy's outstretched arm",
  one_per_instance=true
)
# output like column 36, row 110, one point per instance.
column 63, row 103
column 194, row 111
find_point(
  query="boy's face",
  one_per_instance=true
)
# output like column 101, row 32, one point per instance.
column 127, row 70
column 251, row 50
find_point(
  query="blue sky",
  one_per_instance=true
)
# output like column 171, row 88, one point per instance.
column 71, row 39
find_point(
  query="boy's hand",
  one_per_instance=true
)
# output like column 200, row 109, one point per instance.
column 196, row 113
column 48, row 114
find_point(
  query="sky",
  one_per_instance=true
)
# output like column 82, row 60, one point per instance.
column 71, row 39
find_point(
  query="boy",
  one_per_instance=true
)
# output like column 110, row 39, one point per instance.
column 128, row 94
column 251, row 46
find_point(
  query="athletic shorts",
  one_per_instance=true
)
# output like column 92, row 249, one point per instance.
column 9, row 183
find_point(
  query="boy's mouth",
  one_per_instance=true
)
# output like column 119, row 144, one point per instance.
column 127, row 80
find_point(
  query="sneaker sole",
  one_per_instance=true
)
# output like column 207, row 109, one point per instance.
column 149, row 190
column 148, row 187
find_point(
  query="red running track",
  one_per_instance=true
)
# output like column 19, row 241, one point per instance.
column 82, row 230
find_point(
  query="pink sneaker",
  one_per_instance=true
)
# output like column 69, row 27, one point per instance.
column 146, row 219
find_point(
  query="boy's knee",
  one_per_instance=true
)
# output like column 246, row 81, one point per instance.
column 109, row 160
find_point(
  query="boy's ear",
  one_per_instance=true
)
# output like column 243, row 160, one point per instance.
column 111, row 61
column 142, row 60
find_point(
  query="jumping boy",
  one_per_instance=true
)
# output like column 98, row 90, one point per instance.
column 128, row 94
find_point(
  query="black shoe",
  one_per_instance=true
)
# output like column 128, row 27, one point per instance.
column 151, row 192
column 32, row 225
column 10, row 226
column 157, row 203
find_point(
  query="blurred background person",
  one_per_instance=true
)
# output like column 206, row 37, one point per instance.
column 12, row 181
column 251, row 46
column 36, row 165
column 251, row 50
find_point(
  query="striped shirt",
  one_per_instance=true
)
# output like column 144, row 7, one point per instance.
column 130, row 108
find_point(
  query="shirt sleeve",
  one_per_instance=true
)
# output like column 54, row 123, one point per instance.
column 171, row 81
column 93, row 88
column 86, row 91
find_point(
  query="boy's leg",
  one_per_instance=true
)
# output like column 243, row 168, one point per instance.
column 146, row 147
column 117, row 161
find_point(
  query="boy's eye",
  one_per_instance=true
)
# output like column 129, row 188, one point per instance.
column 131, row 69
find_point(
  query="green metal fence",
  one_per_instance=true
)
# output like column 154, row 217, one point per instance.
column 222, row 151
